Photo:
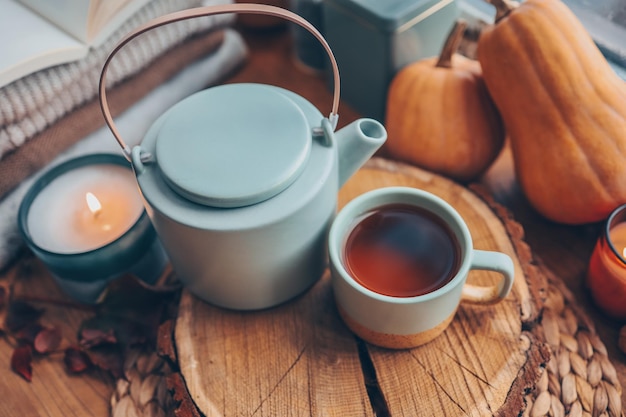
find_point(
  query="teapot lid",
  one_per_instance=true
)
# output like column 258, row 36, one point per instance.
column 233, row 145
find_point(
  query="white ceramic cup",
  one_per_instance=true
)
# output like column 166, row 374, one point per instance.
column 405, row 322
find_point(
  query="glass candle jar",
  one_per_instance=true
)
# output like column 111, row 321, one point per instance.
column 606, row 275
column 85, row 220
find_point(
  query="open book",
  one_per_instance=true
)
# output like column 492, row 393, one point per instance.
column 41, row 33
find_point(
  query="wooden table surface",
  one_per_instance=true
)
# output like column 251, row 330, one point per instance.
column 564, row 249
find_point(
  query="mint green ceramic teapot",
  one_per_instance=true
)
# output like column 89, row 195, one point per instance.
column 241, row 180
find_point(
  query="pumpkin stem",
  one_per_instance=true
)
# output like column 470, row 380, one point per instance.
column 503, row 7
column 452, row 44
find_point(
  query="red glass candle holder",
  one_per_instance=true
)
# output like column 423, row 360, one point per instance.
column 606, row 275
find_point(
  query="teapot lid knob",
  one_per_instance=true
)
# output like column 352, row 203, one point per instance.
column 233, row 145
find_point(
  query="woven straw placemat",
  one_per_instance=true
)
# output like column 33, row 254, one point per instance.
column 143, row 390
column 579, row 379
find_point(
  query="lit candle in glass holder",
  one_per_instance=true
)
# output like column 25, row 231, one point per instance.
column 86, row 221
column 606, row 275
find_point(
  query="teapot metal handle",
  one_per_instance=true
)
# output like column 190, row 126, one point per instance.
column 260, row 9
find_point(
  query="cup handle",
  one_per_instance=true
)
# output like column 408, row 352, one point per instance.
column 490, row 261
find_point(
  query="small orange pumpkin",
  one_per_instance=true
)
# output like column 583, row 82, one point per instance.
column 440, row 115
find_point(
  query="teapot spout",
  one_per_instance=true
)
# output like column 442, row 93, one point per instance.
column 356, row 143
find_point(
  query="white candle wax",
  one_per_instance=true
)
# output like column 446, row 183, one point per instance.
column 60, row 220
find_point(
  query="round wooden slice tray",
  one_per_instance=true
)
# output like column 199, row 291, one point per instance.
column 300, row 359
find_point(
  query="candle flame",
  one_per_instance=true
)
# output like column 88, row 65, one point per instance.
column 93, row 203
column 624, row 253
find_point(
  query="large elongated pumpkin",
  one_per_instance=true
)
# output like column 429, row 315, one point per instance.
column 440, row 116
column 563, row 107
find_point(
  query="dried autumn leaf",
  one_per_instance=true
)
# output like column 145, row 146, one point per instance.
column 20, row 314
column 21, row 362
column 27, row 334
column 3, row 297
column 131, row 333
column 90, row 337
column 7, row 289
column 76, row 360
column 129, row 315
column 47, row 340
column 135, row 310
column 108, row 357
column 116, row 328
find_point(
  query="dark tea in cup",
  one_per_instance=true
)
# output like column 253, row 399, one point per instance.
column 387, row 247
column 401, row 250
